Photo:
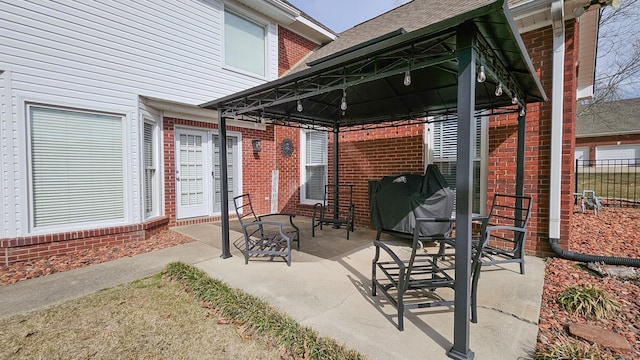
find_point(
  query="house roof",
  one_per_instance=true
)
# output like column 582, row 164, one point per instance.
column 609, row 118
column 368, row 63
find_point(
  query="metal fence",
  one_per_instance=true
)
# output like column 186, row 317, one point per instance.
column 614, row 181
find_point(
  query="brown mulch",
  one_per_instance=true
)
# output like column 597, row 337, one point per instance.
column 32, row 269
column 613, row 232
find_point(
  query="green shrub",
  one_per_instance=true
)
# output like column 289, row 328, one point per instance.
column 588, row 300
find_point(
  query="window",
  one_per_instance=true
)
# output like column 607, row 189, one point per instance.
column 150, row 164
column 314, row 165
column 444, row 149
column 244, row 44
column 77, row 167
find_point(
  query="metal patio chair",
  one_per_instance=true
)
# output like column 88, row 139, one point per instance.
column 412, row 283
column 509, row 217
column 336, row 209
column 265, row 237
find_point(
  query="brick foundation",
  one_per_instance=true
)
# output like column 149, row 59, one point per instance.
column 29, row 248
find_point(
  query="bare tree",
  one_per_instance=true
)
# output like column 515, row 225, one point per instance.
column 618, row 60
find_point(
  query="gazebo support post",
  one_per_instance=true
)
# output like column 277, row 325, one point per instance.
column 336, row 177
column 224, row 186
column 466, row 37
column 522, row 120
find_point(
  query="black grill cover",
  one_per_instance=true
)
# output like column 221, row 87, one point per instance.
column 396, row 201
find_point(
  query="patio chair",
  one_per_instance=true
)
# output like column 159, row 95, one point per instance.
column 265, row 237
column 336, row 209
column 509, row 217
column 411, row 283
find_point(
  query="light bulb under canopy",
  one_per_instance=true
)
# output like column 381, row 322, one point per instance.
column 499, row 90
column 299, row 106
column 343, row 102
column 407, row 78
column 481, row 75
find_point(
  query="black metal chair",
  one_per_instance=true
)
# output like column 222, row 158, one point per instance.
column 336, row 209
column 509, row 217
column 411, row 283
column 265, row 237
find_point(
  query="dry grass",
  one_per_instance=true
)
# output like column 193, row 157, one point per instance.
column 152, row 318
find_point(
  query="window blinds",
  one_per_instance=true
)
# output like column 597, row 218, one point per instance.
column 77, row 167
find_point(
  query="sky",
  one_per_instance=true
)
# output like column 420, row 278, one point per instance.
column 340, row 15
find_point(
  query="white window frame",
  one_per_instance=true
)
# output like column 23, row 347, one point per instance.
column 258, row 21
column 89, row 223
column 155, row 166
column 482, row 159
column 303, row 165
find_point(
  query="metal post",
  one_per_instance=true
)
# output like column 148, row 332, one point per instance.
column 336, row 178
column 224, row 186
column 522, row 120
column 464, row 188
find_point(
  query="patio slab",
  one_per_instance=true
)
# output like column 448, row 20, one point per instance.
column 328, row 288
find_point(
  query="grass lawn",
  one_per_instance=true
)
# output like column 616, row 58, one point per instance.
column 180, row 314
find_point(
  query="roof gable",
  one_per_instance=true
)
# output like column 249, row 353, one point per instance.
column 609, row 118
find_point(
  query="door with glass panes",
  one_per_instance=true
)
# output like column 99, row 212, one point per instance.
column 198, row 187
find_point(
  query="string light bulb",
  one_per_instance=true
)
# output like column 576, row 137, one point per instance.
column 481, row 75
column 514, row 100
column 343, row 103
column 299, row 106
column 499, row 90
column 522, row 112
column 407, row 78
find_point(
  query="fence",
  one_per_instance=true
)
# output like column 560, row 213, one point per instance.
column 615, row 181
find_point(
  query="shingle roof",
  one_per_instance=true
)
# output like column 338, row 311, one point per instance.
column 411, row 16
column 609, row 118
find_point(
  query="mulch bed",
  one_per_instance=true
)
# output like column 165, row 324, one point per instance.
column 613, row 232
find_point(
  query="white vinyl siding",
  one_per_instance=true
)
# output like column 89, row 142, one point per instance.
column 244, row 44
column 77, row 169
column 445, row 151
column 110, row 52
column 314, row 165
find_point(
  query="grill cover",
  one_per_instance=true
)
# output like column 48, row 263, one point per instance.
column 396, row 201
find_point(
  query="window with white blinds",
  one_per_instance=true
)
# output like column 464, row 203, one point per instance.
column 445, row 152
column 150, row 187
column 244, row 44
column 314, row 169
column 77, row 167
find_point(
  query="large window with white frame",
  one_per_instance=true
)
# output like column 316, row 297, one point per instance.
column 150, row 159
column 245, row 44
column 76, row 167
column 313, row 169
column 443, row 150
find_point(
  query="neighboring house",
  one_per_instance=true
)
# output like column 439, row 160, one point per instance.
column 103, row 141
column 608, row 131
column 102, row 138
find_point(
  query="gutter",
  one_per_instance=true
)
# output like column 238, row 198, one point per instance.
column 557, row 98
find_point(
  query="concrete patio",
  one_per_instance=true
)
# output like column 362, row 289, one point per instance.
column 328, row 287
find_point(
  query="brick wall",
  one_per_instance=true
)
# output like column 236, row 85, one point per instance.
column 29, row 248
column 291, row 49
column 503, row 142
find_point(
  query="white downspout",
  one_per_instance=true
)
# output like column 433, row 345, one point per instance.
column 557, row 103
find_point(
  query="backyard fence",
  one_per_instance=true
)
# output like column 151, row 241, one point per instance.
column 614, row 181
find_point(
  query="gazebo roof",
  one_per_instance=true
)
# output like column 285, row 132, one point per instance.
column 367, row 65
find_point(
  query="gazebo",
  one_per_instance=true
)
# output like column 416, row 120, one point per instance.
column 471, row 63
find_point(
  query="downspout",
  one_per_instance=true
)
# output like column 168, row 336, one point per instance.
column 557, row 96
